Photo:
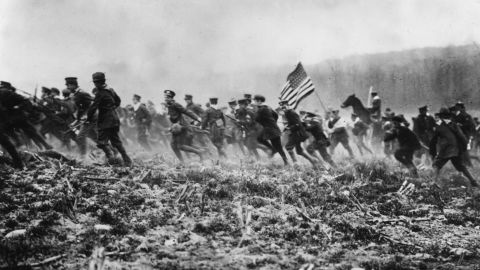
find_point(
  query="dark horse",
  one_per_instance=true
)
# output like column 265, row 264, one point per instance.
column 358, row 108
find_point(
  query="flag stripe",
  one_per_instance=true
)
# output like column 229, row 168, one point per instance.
column 298, row 86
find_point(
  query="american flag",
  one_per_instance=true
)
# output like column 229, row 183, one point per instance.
column 298, row 87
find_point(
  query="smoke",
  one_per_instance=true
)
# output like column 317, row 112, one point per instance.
column 210, row 47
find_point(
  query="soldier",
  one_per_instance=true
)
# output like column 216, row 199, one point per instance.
column 182, row 138
column 17, row 107
column 407, row 141
column 82, row 101
column 250, row 105
column 313, row 124
column 297, row 134
column 376, row 109
column 338, row 132
column 359, row 130
column 234, row 131
column 423, row 127
column 246, row 118
column 215, row 121
column 447, row 144
column 270, row 135
column 467, row 125
column 143, row 121
column 106, row 102
column 193, row 107
column 4, row 140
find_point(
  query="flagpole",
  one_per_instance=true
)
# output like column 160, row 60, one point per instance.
column 320, row 100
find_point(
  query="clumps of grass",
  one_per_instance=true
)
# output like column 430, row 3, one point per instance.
column 200, row 176
column 217, row 224
column 260, row 188
column 353, row 228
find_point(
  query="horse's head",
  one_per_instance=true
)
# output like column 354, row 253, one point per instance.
column 349, row 101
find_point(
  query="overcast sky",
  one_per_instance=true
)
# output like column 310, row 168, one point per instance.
column 157, row 44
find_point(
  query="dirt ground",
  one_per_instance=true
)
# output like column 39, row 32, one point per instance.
column 59, row 214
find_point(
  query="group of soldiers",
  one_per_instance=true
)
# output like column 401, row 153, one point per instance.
column 247, row 124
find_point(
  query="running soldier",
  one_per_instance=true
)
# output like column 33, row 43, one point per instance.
column 359, row 131
column 338, row 132
column 82, row 101
column 297, row 134
column 270, row 135
column 182, row 137
column 467, row 125
column 250, row 132
column 313, row 124
column 408, row 143
column 17, row 108
column 143, row 121
column 234, row 131
column 214, row 120
column 106, row 102
column 448, row 144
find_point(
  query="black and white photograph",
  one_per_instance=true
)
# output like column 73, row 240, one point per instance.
column 240, row 134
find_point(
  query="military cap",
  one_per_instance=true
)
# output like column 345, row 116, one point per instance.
column 55, row 90
column 169, row 93
column 243, row 101
column 98, row 76
column 460, row 104
column 398, row 118
column 444, row 113
column 188, row 97
column 232, row 101
column 247, row 96
column 453, row 108
column 135, row 96
column 259, row 98
column 213, row 100
column 310, row 114
column 4, row 84
column 46, row 90
column 71, row 80
column 423, row 108
column 374, row 93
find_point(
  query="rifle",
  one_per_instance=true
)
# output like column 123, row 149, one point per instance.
column 75, row 127
column 242, row 127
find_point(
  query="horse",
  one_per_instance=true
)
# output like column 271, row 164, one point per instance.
column 358, row 108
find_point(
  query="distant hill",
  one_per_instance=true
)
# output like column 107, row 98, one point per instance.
column 405, row 79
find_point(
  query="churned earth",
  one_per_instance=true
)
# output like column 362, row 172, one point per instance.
column 61, row 214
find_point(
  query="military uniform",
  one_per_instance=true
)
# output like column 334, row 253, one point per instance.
column 297, row 133
column 249, row 127
column 5, row 141
column 448, row 144
column 143, row 120
column 320, row 141
column 407, row 141
column 16, row 107
column 359, row 130
column 182, row 137
column 338, row 134
column 108, row 124
column 82, row 101
column 270, row 134
column 214, row 120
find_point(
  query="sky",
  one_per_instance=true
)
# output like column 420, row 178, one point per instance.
column 145, row 46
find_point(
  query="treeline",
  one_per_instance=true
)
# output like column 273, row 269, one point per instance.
column 405, row 80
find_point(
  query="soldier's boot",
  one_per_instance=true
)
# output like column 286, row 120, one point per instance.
column 467, row 174
column 310, row 159
column 108, row 153
column 191, row 149
column 292, row 156
column 127, row 161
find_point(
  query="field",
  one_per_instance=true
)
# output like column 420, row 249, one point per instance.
column 59, row 214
